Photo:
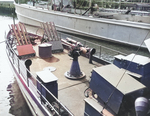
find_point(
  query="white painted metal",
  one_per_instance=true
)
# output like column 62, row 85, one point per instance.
column 147, row 42
column 132, row 33
column 10, row 2
column 32, row 105
column 46, row 76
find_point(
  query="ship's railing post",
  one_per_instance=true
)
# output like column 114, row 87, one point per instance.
column 28, row 81
column 13, row 57
column 40, row 90
column 60, row 36
column 59, row 107
column 100, row 51
column 84, row 43
column 8, row 50
column 18, row 65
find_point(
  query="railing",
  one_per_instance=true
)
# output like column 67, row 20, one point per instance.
column 102, row 52
column 133, row 12
column 56, row 107
column 48, row 5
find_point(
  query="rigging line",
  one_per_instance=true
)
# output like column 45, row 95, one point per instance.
column 124, row 72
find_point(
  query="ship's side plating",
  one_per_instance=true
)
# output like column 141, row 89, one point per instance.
column 124, row 32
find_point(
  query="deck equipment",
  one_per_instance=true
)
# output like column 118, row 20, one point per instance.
column 24, row 46
column 141, row 106
column 77, row 49
column 50, row 36
column 75, row 72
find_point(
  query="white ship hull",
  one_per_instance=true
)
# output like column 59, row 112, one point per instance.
column 125, row 32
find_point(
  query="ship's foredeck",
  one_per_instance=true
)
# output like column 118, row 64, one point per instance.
column 70, row 92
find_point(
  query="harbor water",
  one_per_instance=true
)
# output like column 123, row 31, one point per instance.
column 12, row 102
column 11, row 99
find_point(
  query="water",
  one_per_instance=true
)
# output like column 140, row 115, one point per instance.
column 11, row 100
column 118, row 47
column 107, row 50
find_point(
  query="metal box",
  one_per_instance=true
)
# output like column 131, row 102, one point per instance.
column 90, row 110
column 113, row 87
column 49, row 80
column 25, row 50
column 136, row 64
column 45, row 50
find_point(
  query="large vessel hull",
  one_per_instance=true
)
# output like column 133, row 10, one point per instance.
column 125, row 32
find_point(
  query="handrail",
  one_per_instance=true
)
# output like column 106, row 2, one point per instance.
column 8, row 47
column 19, row 64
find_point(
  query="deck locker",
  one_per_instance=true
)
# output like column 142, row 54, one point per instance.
column 114, row 89
column 49, row 80
column 136, row 65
